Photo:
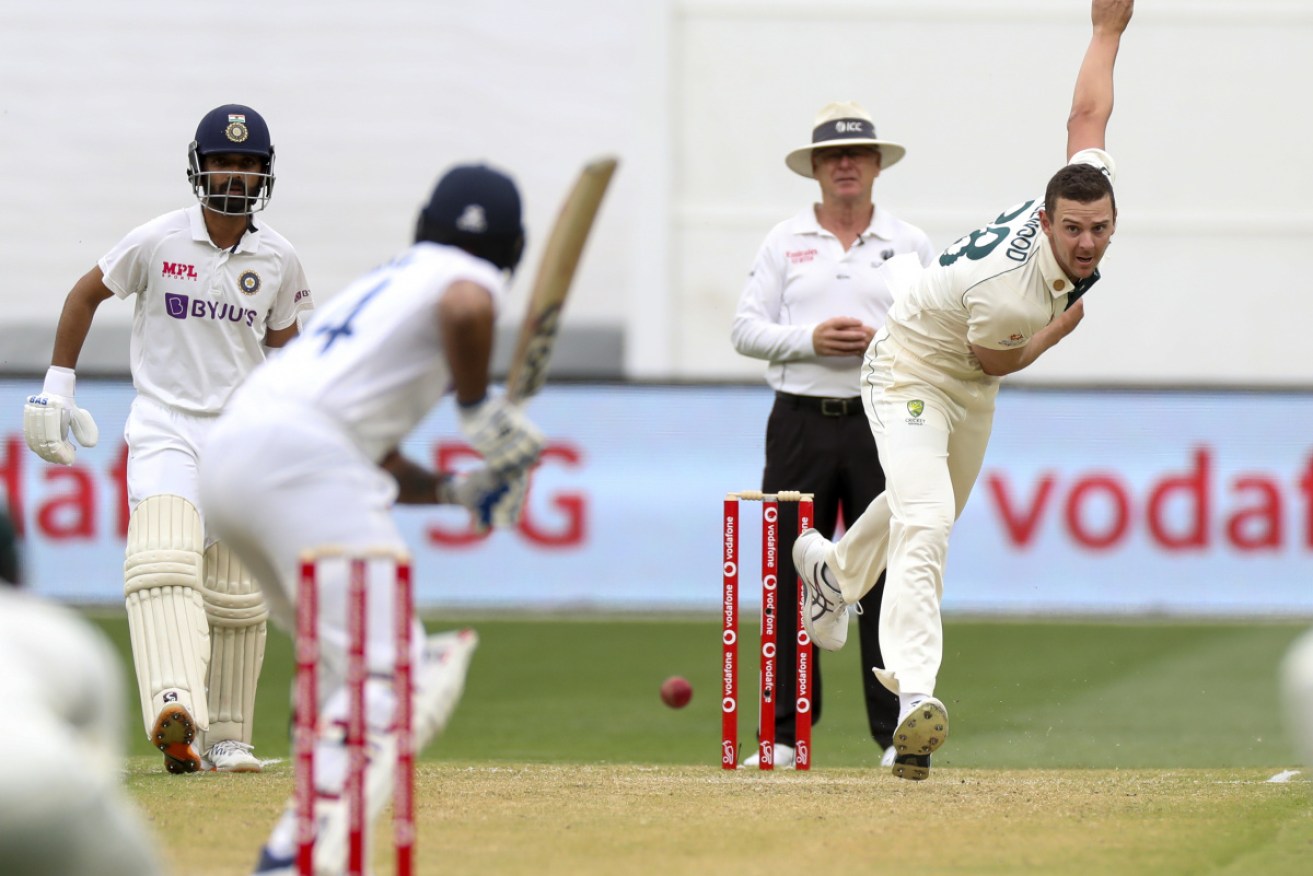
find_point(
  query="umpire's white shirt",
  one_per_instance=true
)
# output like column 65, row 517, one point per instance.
column 372, row 360
column 801, row 277
column 201, row 312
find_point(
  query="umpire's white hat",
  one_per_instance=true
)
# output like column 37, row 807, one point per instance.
column 842, row 124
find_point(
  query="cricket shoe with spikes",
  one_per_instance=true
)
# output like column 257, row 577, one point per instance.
column 918, row 736
column 174, row 734
column 826, row 615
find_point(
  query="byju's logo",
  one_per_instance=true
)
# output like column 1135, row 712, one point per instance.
column 176, row 305
column 182, row 307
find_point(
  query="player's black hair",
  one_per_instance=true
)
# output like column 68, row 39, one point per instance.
column 11, row 569
column 1082, row 183
column 477, row 209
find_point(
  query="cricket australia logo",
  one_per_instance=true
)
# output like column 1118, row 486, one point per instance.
column 916, row 408
column 249, row 282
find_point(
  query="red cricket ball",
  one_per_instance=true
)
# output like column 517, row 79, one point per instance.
column 676, row 692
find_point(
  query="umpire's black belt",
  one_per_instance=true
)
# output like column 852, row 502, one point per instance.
column 829, row 407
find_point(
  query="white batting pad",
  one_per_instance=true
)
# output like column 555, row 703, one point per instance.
column 238, row 619
column 439, row 684
column 441, row 681
column 166, row 614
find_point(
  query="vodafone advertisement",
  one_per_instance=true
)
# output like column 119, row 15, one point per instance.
column 1089, row 502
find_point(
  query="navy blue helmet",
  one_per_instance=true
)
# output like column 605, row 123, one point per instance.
column 232, row 128
column 477, row 209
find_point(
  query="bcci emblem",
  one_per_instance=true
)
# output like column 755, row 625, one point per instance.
column 249, row 282
column 916, row 408
column 236, row 130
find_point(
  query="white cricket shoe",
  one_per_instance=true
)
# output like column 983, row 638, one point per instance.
column 887, row 759
column 231, row 756
column 918, row 735
column 784, row 758
column 826, row 617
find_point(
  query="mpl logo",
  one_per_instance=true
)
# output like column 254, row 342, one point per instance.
column 179, row 271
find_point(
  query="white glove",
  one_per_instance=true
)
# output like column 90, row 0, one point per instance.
column 493, row 500
column 48, row 417
column 508, row 442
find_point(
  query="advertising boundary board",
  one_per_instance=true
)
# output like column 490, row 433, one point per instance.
column 1089, row 502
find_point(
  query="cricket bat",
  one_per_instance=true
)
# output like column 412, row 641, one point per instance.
column 533, row 350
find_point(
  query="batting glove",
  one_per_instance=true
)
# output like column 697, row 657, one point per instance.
column 48, row 417
column 508, row 442
column 493, row 500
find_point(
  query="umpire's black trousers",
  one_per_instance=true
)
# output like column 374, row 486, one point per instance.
column 824, row 446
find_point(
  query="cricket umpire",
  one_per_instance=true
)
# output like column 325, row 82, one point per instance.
column 814, row 299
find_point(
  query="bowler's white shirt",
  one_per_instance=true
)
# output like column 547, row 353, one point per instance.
column 994, row 288
column 201, row 312
column 801, row 277
column 371, row 361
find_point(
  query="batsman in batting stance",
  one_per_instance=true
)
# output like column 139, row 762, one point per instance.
column 990, row 305
column 306, row 457
column 214, row 289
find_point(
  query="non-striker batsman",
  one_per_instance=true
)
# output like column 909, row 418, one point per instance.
column 213, row 289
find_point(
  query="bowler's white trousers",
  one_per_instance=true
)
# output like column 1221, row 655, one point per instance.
column 931, row 431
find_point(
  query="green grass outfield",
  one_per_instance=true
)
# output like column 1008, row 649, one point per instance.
column 1020, row 694
column 1076, row 747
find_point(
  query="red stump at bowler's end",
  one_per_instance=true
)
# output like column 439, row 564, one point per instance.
column 770, row 566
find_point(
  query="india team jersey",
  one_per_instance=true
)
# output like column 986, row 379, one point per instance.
column 371, row 360
column 994, row 288
column 201, row 312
